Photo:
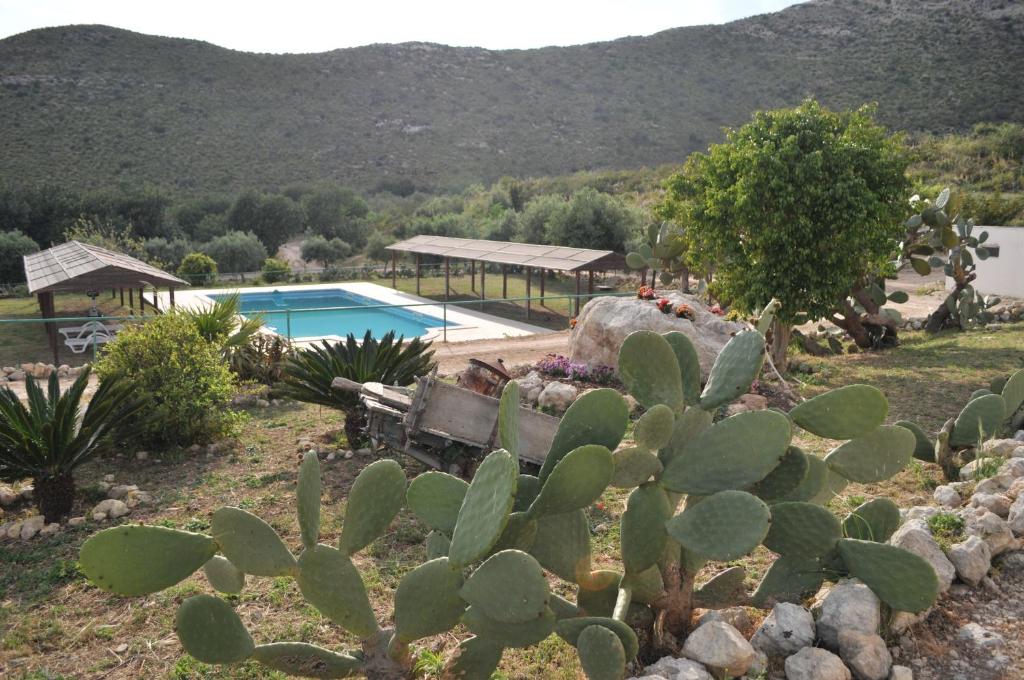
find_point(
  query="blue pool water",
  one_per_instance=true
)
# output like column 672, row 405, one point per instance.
column 306, row 324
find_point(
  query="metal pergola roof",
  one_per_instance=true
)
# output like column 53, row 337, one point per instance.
column 559, row 258
column 79, row 266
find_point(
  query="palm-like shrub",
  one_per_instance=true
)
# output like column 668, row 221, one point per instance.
column 223, row 325
column 51, row 437
column 308, row 372
column 262, row 359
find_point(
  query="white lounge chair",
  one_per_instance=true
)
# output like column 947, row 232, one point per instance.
column 69, row 331
column 89, row 335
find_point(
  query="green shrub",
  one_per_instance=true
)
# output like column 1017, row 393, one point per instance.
column 13, row 246
column 275, row 270
column 182, row 378
column 199, row 269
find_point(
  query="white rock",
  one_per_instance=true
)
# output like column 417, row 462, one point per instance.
column 996, row 484
column 50, row 529
column 921, row 512
column 865, row 654
column 737, row 617
column 1015, row 518
column 993, row 502
column 32, row 526
column 530, row 387
column 631, row 403
column 759, row 669
column 8, row 497
column 1014, row 467
column 331, row 456
column 720, row 647
column 916, row 537
column 17, row 375
column 605, row 322
column 27, row 492
column 14, row 530
column 141, row 455
column 786, row 630
column 108, row 478
column 1018, row 435
column 671, row 668
column 121, row 490
column 999, row 447
column 557, row 396
column 137, row 498
column 899, row 622
column 947, row 497
column 901, row 673
column 979, row 636
column 76, row 521
column 972, row 559
column 848, row 605
column 110, row 508
column 747, row 402
column 813, row 663
column 349, row 454
column 989, row 527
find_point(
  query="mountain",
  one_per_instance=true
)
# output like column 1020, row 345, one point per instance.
column 91, row 106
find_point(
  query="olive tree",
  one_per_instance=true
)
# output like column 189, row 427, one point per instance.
column 799, row 204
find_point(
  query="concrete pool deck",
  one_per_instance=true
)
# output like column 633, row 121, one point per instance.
column 469, row 324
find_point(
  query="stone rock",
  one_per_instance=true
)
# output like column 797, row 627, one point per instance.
column 605, row 322
column 41, row 371
column 848, row 605
column 1018, row 435
column 720, row 647
column 557, row 396
column 141, row 455
column 1014, row 467
column 28, row 367
column 917, row 538
column 631, row 403
column 671, row 668
column 899, row 622
column 109, row 479
column 999, row 447
column 331, row 456
column 8, row 497
column 901, row 673
column 921, row 512
column 759, row 669
column 1015, row 518
column 137, row 498
column 50, row 529
column 995, row 484
column 747, row 402
column 349, row 454
column 262, row 403
column 76, row 521
column 17, row 375
column 865, row 654
column 8, row 370
column 14, row 529
column 110, row 508
column 27, row 493
column 993, row 502
column 737, row 617
column 786, row 630
column 530, row 387
column 121, row 490
column 31, row 526
column 813, row 663
column 979, row 636
column 971, row 559
column 990, row 528
column 947, row 497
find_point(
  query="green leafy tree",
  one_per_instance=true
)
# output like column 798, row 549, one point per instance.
column 199, row 269
column 272, row 218
column 376, row 247
column 167, row 253
column 106, row 234
column 237, row 251
column 13, row 246
column 539, row 212
column 275, row 270
column 592, row 219
column 799, row 204
column 327, row 251
column 337, row 212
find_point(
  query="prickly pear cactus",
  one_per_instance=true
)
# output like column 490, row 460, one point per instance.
column 699, row 490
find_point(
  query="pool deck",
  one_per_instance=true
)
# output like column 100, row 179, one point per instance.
column 470, row 324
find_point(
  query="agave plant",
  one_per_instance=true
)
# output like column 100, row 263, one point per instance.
column 261, row 359
column 308, row 372
column 51, row 437
column 223, row 324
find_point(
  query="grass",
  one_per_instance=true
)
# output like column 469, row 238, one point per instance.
column 53, row 622
column 947, row 528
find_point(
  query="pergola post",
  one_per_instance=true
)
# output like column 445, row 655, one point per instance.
column 577, row 306
column 394, row 269
column 590, row 281
column 46, row 307
column 142, row 303
column 171, row 291
column 543, row 276
column 122, row 297
column 131, row 300
column 529, row 280
column 418, row 273
column 447, row 275
column 483, row 281
column 504, row 282
column 472, row 275
column 113, row 293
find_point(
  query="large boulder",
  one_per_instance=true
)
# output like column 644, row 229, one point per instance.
column 721, row 648
column 914, row 536
column 848, row 605
column 606, row 321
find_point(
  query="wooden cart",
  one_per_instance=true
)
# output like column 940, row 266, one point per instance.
column 445, row 426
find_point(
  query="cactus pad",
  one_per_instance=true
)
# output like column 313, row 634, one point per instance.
column 734, row 370
column 306, row 660
column 599, row 601
column 331, row 583
column 224, row 576
column 813, row 482
column 649, row 370
column 308, row 499
column 508, row 418
column 577, row 481
column 924, row 449
column 733, row 453
column 876, row 520
column 723, row 526
column 509, row 587
column 570, row 629
column 376, row 496
column 785, row 478
column 597, row 417
column 688, row 425
column 527, row 488
column 437, row 545
column 842, row 413
column 875, row 456
column 476, row 659
column 519, row 534
column 689, row 365
column 901, row 579
column 435, row 498
column 979, row 420
column 601, row 654
column 1013, row 392
column 251, row 544
column 725, row 589
column 427, row 601
column 633, row 467
column 485, row 509
column 138, row 560
column 653, row 430
column 523, row 634
column 647, row 586
column 833, row 486
column 642, row 530
column 789, row 579
column 802, row 530
column 210, row 630
column 562, row 545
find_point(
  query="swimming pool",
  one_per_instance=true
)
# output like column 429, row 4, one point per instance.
column 275, row 305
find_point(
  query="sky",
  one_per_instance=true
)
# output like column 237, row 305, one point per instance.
column 317, row 26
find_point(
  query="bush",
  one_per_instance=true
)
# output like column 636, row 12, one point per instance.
column 166, row 253
column 237, row 251
column 199, row 269
column 183, row 380
column 275, row 270
column 325, row 250
column 14, row 245
column 376, row 247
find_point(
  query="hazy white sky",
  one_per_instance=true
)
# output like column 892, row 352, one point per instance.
column 311, row 26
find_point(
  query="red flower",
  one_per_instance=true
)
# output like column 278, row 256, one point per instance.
column 685, row 312
column 645, row 293
column 572, row 322
column 717, row 309
column 664, row 305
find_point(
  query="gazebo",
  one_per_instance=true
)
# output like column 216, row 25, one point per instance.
column 527, row 255
column 81, row 267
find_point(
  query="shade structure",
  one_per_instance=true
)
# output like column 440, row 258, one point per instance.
column 76, row 266
column 559, row 258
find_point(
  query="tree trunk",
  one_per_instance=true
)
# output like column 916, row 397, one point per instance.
column 355, row 424
column 684, row 279
column 55, row 494
column 781, row 333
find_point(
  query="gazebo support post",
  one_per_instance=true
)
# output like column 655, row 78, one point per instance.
column 447, row 277
column 543, row 275
column 529, row 281
column 590, row 282
column 483, row 282
column 472, row 275
column 171, row 292
column 46, row 307
column 418, row 258
column 142, row 303
column 131, row 300
column 113, row 293
column 122, row 297
column 394, row 269
column 577, row 305
column 504, row 282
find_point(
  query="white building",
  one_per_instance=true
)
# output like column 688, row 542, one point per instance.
column 1003, row 272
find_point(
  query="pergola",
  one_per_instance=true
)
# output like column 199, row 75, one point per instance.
column 527, row 255
column 81, row 267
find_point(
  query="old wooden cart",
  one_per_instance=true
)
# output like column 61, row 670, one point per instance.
column 444, row 426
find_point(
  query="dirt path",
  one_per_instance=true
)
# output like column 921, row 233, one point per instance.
column 454, row 356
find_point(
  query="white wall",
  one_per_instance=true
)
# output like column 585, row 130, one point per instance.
column 1002, row 275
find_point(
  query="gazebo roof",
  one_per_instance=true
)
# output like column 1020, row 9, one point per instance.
column 82, row 266
column 560, row 258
